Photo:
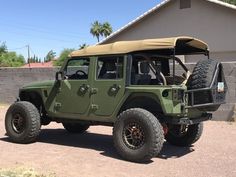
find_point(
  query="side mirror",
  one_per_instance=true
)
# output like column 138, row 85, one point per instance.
column 59, row 76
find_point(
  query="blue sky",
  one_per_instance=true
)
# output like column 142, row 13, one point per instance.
column 57, row 24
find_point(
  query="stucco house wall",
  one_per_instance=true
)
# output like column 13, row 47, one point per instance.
column 211, row 22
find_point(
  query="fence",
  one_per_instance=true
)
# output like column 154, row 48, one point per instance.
column 11, row 79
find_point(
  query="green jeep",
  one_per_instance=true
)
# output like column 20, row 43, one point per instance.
column 141, row 88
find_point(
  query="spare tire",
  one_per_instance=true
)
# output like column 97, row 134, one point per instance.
column 202, row 74
column 202, row 77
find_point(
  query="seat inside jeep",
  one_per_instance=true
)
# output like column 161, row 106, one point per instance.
column 151, row 69
column 110, row 67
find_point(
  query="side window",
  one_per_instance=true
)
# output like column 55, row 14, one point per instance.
column 148, row 70
column 77, row 69
column 110, row 67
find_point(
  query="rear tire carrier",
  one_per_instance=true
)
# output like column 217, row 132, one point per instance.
column 203, row 86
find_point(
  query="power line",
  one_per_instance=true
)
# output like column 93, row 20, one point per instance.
column 18, row 48
column 41, row 30
column 44, row 38
column 32, row 51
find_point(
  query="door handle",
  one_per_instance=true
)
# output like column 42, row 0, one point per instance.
column 83, row 89
column 115, row 88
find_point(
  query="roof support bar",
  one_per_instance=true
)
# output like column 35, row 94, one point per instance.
column 173, row 57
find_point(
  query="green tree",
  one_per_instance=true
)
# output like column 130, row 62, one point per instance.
column 35, row 59
column 3, row 48
column 82, row 46
column 106, row 29
column 32, row 59
column 38, row 60
column 50, row 56
column 96, row 30
column 63, row 56
column 230, row 1
column 11, row 59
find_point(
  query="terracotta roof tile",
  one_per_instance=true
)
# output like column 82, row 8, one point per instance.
column 39, row 65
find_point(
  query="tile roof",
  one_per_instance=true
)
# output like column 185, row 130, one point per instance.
column 39, row 65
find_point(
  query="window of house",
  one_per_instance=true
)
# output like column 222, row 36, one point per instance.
column 185, row 4
column 110, row 67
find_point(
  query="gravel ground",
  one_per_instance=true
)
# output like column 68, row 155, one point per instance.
column 92, row 154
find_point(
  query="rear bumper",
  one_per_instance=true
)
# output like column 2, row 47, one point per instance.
column 188, row 121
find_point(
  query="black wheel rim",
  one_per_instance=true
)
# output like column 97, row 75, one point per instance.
column 18, row 123
column 133, row 135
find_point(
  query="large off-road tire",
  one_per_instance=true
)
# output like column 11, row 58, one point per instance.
column 202, row 77
column 75, row 127
column 202, row 74
column 138, row 136
column 184, row 135
column 22, row 122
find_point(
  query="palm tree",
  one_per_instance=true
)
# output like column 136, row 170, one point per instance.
column 96, row 30
column 106, row 29
column 82, row 46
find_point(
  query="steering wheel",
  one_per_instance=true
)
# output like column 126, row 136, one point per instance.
column 80, row 71
column 79, row 74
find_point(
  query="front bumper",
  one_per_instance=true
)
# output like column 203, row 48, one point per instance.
column 188, row 121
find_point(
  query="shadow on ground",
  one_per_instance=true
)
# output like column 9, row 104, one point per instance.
column 99, row 142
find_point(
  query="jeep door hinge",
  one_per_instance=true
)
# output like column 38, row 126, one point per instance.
column 94, row 90
column 57, row 106
column 94, row 107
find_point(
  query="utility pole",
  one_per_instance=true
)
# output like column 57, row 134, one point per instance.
column 28, row 54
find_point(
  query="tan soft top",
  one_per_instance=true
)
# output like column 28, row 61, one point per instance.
column 183, row 45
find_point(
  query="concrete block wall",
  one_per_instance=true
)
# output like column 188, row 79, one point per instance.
column 226, row 111
column 11, row 79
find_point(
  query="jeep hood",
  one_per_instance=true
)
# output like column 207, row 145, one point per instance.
column 42, row 84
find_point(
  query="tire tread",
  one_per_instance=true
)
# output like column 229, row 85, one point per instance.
column 31, row 112
column 156, row 128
